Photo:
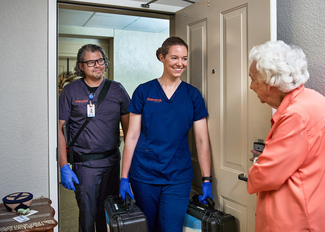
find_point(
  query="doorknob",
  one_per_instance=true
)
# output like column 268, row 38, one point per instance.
column 242, row 177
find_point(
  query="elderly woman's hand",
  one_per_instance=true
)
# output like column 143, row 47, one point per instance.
column 256, row 153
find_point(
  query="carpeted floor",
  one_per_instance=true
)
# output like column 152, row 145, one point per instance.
column 68, row 220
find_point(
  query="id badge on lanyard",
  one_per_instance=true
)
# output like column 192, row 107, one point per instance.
column 91, row 107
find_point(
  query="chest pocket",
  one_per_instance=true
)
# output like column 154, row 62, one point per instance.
column 79, row 109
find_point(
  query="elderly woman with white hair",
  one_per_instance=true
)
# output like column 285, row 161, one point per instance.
column 289, row 176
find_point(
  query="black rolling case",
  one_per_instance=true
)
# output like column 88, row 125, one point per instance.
column 205, row 218
column 124, row 216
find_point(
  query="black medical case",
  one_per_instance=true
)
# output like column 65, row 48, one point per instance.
column 205, row 218
column 124, row 216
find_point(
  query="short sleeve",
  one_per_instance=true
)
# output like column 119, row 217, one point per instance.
column 200, row 110
column 125, row 101
column 137, row 101
column 64, row 105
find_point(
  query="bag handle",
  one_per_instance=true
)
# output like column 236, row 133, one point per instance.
column 129, row 203
column 197, row 202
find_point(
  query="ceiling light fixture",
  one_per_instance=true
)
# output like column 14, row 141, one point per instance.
column 188, row 1
column 147, row 5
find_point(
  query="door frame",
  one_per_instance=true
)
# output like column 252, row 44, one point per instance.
column 273, row 27
column 53, row 95
column 52, row 107
column 53, row 34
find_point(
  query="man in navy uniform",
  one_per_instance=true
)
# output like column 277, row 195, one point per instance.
column 96, row 168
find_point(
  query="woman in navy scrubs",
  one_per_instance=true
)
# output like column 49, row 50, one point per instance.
column 156, row 156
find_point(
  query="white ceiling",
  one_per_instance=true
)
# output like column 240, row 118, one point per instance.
column 112, row 21
column 78, row 18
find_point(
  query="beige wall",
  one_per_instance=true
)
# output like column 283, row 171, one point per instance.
column 301, row 22
column 24, row 94
column 135, row 58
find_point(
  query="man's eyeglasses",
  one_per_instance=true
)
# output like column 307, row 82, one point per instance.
column 92, row 63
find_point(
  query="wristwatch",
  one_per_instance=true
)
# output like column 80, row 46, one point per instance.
column 209, row 178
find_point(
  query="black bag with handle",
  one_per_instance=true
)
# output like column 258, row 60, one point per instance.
column 125, row 215
column 207, row 218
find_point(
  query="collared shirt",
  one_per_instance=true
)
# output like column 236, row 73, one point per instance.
column 289, row 177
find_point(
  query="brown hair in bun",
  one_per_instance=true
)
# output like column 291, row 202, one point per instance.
column 171, row 41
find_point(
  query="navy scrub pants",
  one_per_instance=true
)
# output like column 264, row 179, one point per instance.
column 164, row 205
column 95, row 184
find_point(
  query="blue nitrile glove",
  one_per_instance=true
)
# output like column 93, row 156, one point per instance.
column 68, row 177
column 206, row 189
column 125, row 188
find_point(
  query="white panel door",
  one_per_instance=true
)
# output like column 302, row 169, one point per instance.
column 220, row 34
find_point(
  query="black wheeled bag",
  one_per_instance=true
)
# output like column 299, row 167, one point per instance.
column 124, row 216
column 205, row 218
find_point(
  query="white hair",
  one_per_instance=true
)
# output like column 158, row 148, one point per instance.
column 280, row 65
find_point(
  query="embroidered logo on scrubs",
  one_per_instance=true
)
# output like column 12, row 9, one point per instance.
column 81, row 101
column 154, row 100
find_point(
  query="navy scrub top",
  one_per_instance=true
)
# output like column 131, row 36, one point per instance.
column 162, row 154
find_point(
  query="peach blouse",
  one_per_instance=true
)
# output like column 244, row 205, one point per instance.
column 289, row 177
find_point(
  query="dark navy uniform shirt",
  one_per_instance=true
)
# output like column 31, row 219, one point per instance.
column 162, row 154
column 102, row 132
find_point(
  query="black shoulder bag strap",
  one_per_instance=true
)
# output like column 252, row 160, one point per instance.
column 100, row 99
